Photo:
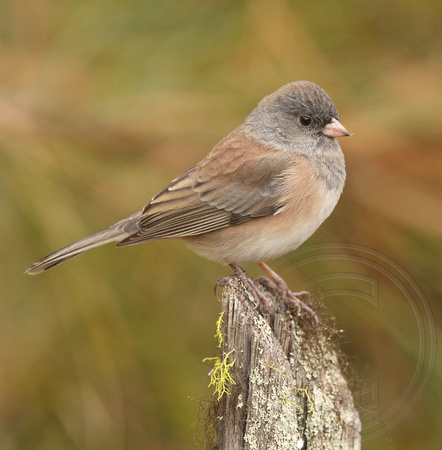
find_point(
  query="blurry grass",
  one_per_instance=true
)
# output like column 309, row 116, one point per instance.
column 101, row 104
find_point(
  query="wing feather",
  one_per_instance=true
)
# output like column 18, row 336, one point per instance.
column 230, row 186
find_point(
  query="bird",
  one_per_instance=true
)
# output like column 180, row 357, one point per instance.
column 258, row 194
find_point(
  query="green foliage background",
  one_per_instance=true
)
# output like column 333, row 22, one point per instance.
column 101, row 104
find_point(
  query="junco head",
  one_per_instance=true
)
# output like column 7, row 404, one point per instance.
column 260, row 193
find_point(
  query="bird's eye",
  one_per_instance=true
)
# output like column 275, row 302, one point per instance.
column 305, row 120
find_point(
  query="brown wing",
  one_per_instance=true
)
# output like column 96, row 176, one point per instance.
column 233, row 184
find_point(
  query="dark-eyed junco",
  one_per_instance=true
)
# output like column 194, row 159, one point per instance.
column 260, row 193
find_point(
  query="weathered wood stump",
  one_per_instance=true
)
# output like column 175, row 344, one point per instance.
column 289, row 390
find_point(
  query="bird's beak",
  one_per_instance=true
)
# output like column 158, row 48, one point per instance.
column 335, row 129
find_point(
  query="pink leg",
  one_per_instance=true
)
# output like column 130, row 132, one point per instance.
column 289, row 296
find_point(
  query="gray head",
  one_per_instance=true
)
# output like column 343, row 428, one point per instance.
column 298, row 117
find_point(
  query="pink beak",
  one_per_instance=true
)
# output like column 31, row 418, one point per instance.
column 335, row 129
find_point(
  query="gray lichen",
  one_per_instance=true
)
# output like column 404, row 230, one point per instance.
column 290, row 391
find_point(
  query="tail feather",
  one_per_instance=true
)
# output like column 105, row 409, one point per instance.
column 115, row 233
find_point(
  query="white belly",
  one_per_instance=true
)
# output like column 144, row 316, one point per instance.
column 269, row 245
column 259, row 240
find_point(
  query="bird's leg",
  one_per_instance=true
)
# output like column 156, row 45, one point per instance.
column 279, row 281
column 292, row 298
column 249, row 283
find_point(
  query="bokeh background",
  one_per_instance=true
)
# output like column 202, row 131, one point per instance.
column 104, row 102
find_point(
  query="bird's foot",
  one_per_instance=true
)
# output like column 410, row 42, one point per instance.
column 292, row 299
column 221, row 283
column 248, row 283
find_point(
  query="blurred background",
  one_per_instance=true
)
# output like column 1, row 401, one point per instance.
column 104, row 102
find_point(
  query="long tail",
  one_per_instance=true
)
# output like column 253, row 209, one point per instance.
column 117, row 232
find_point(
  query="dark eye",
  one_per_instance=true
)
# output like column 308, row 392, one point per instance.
column 305, row 120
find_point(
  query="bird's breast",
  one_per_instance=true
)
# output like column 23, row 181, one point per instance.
column 268, row 237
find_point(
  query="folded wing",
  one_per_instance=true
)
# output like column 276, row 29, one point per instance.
column 222, row 190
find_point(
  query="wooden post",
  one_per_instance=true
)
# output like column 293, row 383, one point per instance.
column 289, row 390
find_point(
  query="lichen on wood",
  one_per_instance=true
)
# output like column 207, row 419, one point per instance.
column 289, row 391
